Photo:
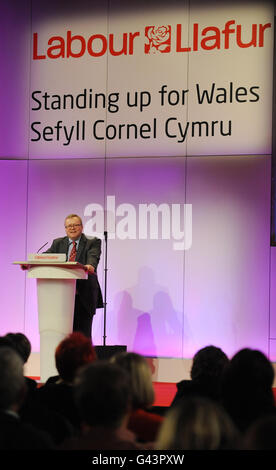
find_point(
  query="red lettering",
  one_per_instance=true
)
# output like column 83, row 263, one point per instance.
column 60, row 48
column 208, row 38
column 70, row 39
column 104, row 45
column 195, row 37
column 111, row 45
column 35, row 55
column 227, row 31
column 252, row 42
column 262, row 28
column 132, row 36
column 215, row 37
column 178, row 40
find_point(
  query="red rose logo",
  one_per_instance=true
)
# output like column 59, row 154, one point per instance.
column 158, row 39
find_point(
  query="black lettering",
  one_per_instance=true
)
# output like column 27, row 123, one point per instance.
column 37, row 100
column 36, row 131
column 205, row 95
column 254, row 93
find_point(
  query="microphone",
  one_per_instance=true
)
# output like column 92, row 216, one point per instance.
column 42, row 247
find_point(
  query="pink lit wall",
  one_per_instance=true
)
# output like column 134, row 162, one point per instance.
column 13, row 241
column 202, row 270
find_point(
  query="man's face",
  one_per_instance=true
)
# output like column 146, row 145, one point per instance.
column 73, row 228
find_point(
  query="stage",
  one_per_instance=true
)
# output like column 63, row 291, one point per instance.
column 166, row 374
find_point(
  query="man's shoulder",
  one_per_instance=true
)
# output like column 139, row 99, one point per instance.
column 57, row 243
column 90, row 240
column 60, row 239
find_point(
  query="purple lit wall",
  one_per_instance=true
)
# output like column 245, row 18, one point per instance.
column 167, row 297
column 13, row 241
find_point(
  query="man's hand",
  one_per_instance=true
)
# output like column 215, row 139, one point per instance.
column 90, row 269
column 24, row 267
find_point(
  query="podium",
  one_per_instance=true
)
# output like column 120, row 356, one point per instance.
column 56, row 288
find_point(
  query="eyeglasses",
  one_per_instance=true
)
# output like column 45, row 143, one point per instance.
column 72, row 225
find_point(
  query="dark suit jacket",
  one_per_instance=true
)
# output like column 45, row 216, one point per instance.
column 17, row 435
column 89, row 252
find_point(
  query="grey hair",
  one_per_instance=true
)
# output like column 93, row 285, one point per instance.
column 12, row 380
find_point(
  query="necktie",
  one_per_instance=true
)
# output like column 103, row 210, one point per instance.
column 73, row 252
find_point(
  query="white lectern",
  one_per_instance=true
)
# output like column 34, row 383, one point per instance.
column 56, row 287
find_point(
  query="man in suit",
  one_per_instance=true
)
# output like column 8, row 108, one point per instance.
column 87, row 252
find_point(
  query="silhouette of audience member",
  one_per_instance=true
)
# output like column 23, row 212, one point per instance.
column 32, row 411
column 22, row 345
column 142, row 422
column 197, row 424
column 206, row 372
column 14, row 434
column 75, row 351
column 247, row 393
column 102, row 393
column 261, row 435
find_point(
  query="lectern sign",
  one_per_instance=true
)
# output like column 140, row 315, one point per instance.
column 48, row 257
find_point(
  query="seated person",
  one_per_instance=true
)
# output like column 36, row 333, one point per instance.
column 197, row 424
column 142, row 422
column 206, row 373
column 14, row 433
column 102, row 393
column 73, row 352
column 23, row 346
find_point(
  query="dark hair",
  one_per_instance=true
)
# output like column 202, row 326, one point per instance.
column 21, row 344
column 250, row 366
column 247, row 387
column 73, row 352
column 102, row 391
column 208, row 364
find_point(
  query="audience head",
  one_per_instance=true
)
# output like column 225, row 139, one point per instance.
column 251, row 366
column 73, row 352
column 21, row 343
column 102, row 393
column 196, row 424
column 247, row 387
column 208, row 364
column 261, row 434
column 140, row 375
column 6, row 342
column 12, row 381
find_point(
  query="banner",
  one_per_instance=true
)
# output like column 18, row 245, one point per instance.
column 125, row 82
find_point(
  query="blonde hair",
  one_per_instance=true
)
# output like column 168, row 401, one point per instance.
column 70, row 216
column 140, row 378
column 196, row 424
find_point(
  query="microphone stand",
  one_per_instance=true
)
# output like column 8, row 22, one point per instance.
column 105, row 287
column 104, row 351
column 41, row 247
